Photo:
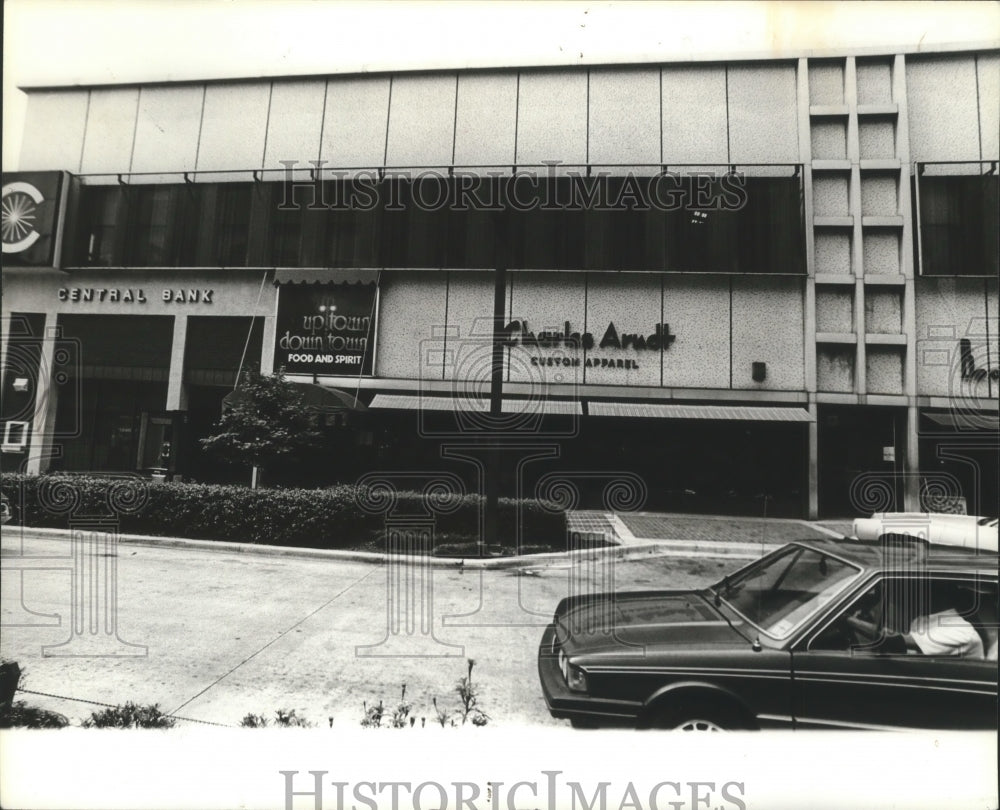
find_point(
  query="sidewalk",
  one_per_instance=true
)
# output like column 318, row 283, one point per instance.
column 703, row 534
column 652, row 526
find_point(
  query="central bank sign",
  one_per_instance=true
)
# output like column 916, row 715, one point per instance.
column 326, row 329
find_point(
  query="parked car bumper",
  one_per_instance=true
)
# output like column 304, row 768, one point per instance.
column 563, row 703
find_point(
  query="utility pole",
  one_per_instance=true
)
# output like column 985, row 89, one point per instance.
column 501, row 253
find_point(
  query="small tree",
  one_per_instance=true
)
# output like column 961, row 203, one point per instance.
column 267, row 423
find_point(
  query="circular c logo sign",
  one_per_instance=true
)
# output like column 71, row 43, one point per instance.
column 19, row 207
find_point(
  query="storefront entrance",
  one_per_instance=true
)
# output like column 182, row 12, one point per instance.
column 862, row 460
column 122, row 380
column 698, row 466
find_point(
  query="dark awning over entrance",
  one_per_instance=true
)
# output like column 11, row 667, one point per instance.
column 317, row 398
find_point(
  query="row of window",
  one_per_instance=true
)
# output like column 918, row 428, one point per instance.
column 704, row 224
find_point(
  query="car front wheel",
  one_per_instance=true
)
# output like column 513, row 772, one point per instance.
column 700, row 716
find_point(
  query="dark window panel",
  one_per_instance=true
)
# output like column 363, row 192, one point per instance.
column 216, row 347
column 100, row 213
column 472, row 222
column 151, row 211
column 284, row 227
column 132, row 341
column 232, row 224
column 959, row 228
column 351, row 224
column 258, row 239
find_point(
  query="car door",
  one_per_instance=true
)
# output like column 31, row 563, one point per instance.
column 838, row 683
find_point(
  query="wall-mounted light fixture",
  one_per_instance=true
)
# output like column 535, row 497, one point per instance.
column 759, row 371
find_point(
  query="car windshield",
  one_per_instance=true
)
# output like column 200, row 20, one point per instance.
column 783, row 590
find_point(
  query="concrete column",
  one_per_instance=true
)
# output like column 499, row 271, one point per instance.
column 270, row 327
column 857, row 234
column 805, row 157
column 43, row 424
column 911, row 477
column 267, row 343
column 176, row 395
column 813, row 463
column 907, row 266
column 4, row 338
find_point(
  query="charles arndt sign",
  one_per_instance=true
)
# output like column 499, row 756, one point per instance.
column 31, row 221
column 326, row 329
column 517, row 333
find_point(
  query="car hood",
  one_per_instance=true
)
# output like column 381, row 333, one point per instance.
column 611, row 623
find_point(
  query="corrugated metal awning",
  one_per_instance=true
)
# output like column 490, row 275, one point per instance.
column 408, row 402
column 325, row 275
column 727, row 413
column 965, row 420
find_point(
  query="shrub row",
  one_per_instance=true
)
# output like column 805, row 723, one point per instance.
column 312, row 518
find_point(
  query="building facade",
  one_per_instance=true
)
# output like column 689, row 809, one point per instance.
column 764, row 284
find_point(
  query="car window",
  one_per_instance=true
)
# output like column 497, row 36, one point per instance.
column 944, row 617
column 782, row 591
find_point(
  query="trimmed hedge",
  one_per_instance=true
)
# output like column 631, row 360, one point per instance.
column 310, row 518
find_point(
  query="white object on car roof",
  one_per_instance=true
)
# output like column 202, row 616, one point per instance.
column 965, row 531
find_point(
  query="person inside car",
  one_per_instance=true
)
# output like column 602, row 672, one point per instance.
column 987, row 619
column 941, row 631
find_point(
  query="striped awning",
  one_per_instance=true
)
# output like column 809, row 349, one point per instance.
column 965, row 419
column 726, row 413
column 409, row 402
column 324, row 275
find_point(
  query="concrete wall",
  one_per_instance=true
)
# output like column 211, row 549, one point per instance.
column 687, row 114
column 714, row 113
column 438, row 324
column 954, row 107
column 948, row 310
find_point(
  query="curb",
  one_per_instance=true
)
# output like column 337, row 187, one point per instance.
column 726, row 548
column 636, row 549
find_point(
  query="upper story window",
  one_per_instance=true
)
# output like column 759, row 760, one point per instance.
column 232, row 202
column 712, row 222
column 100, row 228
column 353, row 232
column 162, row 225
column 958, row 216
column 284, row 229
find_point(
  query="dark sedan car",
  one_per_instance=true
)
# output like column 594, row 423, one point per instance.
column 825, row 634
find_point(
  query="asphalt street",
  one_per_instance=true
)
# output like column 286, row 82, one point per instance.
column 223, row 634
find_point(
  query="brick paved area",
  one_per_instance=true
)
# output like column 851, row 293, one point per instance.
column 591, row 522
column 662, row 526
